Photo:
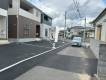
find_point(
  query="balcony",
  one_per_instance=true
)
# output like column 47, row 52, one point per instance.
column 46, row 20
column 27, row 10
column 29, row 15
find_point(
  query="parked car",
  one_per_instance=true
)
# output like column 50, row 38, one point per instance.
column 76, row 41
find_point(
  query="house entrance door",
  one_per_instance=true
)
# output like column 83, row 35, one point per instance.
column 37, row 31
column 99, row 28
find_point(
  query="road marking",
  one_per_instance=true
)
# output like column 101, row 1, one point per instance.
column 17, row 63
column 35, row 45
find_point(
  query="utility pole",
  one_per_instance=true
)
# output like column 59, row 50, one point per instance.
column 84, row 35
column 18, row 7
column 65, row 25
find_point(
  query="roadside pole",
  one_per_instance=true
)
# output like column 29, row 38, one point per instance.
column 18, row 22
column 65, row 26
column 84, row 36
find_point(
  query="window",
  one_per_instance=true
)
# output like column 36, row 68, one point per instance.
column 46, row 32
column 10, row 4
column 50, row 20
column 37, row 14
column 27, row 31
column 46, row 18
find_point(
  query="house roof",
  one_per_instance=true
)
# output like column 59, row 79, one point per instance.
column 81, row 28
column 99, row 16
column 77, row 27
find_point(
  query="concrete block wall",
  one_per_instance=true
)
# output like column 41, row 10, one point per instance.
column 95, row 46
column 102, row 62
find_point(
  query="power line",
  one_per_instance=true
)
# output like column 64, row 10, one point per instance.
column 76, row 3
column 72, row 14
column 78, row 9
column 74, row 8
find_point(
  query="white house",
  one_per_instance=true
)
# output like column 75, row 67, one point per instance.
column 46, row 26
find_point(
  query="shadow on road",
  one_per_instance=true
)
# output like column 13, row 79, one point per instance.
column 72, row 64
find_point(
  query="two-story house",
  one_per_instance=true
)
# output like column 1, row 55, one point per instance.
column 46, row 27
column 23, row 21
column 3, row 19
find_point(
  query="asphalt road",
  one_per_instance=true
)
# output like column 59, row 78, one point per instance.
column 47, row 43
column 71, row 63
column 12, row 53
column 15, row 52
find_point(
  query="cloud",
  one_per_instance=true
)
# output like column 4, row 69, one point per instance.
column 92, row 8
column 56, row 9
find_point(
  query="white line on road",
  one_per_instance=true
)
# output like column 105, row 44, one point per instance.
column 6, row 68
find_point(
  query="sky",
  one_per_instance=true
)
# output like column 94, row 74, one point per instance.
column 56, row 9
column 104, row 1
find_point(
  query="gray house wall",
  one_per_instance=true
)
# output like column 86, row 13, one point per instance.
column 24, row 24
column 29, row 24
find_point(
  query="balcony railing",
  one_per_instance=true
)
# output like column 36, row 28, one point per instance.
column 29, row 15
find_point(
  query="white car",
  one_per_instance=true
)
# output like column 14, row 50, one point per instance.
column 77, row 41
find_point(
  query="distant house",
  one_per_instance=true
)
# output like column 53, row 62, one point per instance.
column 3, row 19
column 100, row 26
column 76, row 30
column 79, row 31
column 61, row 34
column 90, row 33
